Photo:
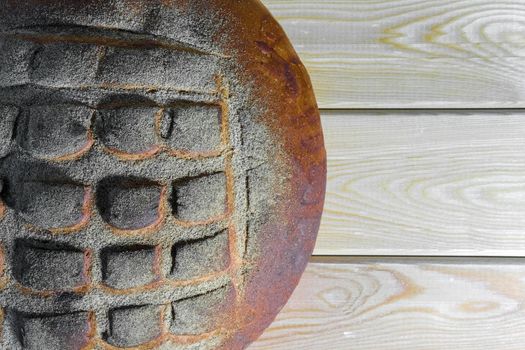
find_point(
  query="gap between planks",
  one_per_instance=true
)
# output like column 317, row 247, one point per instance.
column 415, row 259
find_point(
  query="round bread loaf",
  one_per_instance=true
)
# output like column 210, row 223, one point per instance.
column 162, row 173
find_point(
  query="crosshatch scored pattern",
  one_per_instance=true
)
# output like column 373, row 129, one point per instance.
column 129, row 143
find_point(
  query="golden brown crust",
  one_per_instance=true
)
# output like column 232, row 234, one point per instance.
column 268, row 61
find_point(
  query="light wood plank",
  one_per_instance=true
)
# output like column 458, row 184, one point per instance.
column 410, row 53
column 404, row 305
column 424, row 183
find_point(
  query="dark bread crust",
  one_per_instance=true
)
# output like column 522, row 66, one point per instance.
column 279, row 87
column 269, row 61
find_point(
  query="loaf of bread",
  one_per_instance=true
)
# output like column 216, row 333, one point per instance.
column 162, row 173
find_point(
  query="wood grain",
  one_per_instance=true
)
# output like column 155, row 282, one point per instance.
column 424, row 183
column 410, row 53
column 404, row 305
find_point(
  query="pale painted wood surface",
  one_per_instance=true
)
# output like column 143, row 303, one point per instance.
column 424, row 183
column 410, row 53
column 404, row 305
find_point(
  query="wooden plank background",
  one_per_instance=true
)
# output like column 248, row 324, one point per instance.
column 424, row 183
column 424, row 225
column 410, row 53
column 404, row 305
